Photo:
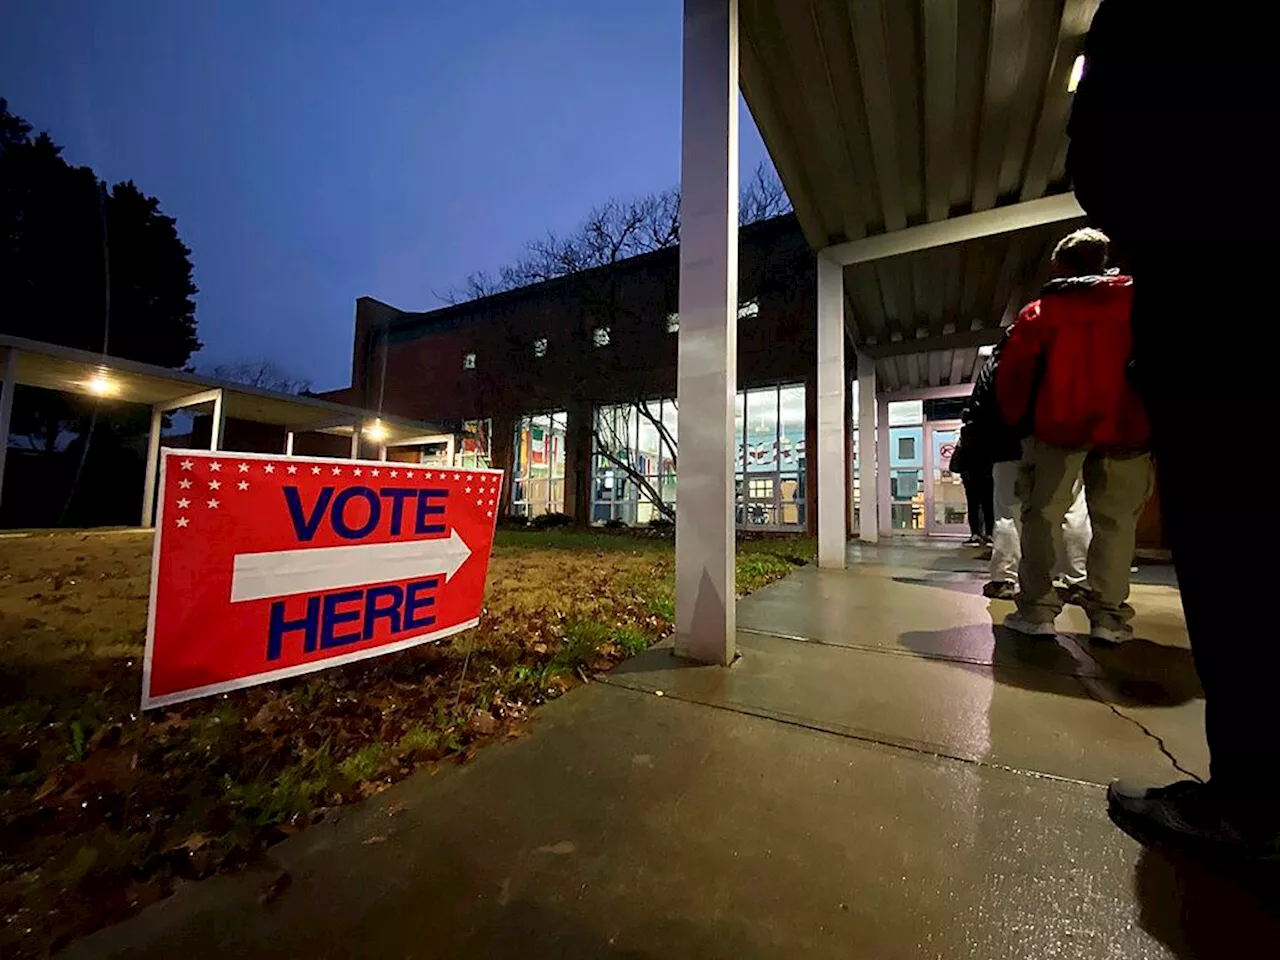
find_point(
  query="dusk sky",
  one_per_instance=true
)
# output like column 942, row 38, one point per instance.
column 320, row 151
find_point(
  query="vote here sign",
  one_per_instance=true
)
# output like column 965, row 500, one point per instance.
column 269, row 567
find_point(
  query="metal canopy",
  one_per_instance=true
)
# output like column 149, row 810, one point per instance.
column 54, row 367
column 883, row 115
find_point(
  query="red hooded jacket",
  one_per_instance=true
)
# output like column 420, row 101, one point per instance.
column 1068, row 353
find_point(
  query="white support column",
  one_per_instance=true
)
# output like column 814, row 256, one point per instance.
column 355, row 440
column 288, row 443
column 450, row 450
column 882, row 466
column 869, row 464
column 219, row 423
column 153, row 467
column 10, row 373
column 708, row 369
column 832, row 427
column 382, row 452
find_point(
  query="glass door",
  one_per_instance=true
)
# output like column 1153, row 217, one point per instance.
column 946, row 509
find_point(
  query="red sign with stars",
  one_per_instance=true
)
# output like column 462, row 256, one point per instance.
column 268, row 567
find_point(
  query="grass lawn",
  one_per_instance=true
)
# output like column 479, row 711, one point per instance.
column 102, row 809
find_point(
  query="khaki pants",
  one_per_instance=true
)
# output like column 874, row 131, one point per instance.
column 1116, row 487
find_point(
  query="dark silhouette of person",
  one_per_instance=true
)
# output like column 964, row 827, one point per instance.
column 1166, row 153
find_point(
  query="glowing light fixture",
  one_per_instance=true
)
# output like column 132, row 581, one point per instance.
column 376, row 431
column 1077, row 73
column 100, row 385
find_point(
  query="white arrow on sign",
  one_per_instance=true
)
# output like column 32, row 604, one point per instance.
column 257, row 576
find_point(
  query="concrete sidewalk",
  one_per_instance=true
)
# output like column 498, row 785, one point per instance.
column 881, row 775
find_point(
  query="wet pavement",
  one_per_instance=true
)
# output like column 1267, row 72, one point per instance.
column 880, row 775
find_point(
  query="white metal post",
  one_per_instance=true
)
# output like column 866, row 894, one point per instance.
column 382, row 452
column 355, row 440
column 6, row 407
column 288, row 443
column 219, row 422
column 153, row 467
column 708, row 371
column 832, row 427
column 869, row 464
column 882, row 466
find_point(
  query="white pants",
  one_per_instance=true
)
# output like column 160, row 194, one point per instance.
column 1006, row 546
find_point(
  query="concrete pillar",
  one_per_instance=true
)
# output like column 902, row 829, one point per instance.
column 288, row 443
column 355, row 440
column 10, row 373
column 382, row 451
column 218, row 424
column 153, row 467
column 832, row 426
column 707, row 377
column 882, row 466
column 869, row 464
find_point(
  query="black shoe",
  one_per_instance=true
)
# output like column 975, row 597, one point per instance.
column 1075, row 594
column 1187, row 816
column 1000, row 590
column 974, row 541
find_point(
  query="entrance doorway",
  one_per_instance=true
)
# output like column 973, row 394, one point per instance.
column 946, row 511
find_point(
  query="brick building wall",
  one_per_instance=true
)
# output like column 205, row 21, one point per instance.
column 412, row 364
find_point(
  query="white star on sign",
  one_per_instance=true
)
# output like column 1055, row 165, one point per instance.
column 489, row 514
column 357, row 471
column 292, row 468
column 315, row 471
column 395, row 473
column 479, row 503
column 491, row 503
column 187, row 464
column 468, row 490
column 213, row 504
column 428, row 474
column 244, row 468
column 184, row 483
column 183, row 521
column 375, row 472
column 243, row 485
column 184, row 503
column 457, row 476
column 337, row 471
column 215, row 484
column 215, row 466
column 269, row 468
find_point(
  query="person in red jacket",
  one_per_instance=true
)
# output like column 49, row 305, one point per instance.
column 1064, row 379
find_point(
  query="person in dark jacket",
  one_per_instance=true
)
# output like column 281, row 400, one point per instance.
column 1065, row 369
column 1165, row 147
column 972, row 462
column 1002, row 446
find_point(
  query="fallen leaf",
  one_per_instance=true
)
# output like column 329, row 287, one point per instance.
column 376, row 838
column 275, row 888
column 561, row 849
column 197, row 841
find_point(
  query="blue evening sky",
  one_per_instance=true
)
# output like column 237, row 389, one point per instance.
column 314, row 152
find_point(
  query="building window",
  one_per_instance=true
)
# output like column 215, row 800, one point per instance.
column 540, row 347
column 468, row 361
column 771, row 459
column 906, row 448
column 601, row 336
column 633, row 470
column 634, row 448
column 749, row 308
column 476, row 449
column 537, row 472
column 673, row 323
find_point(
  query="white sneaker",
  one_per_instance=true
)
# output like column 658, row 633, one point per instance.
column 1031, row 628
column 1111, row 636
